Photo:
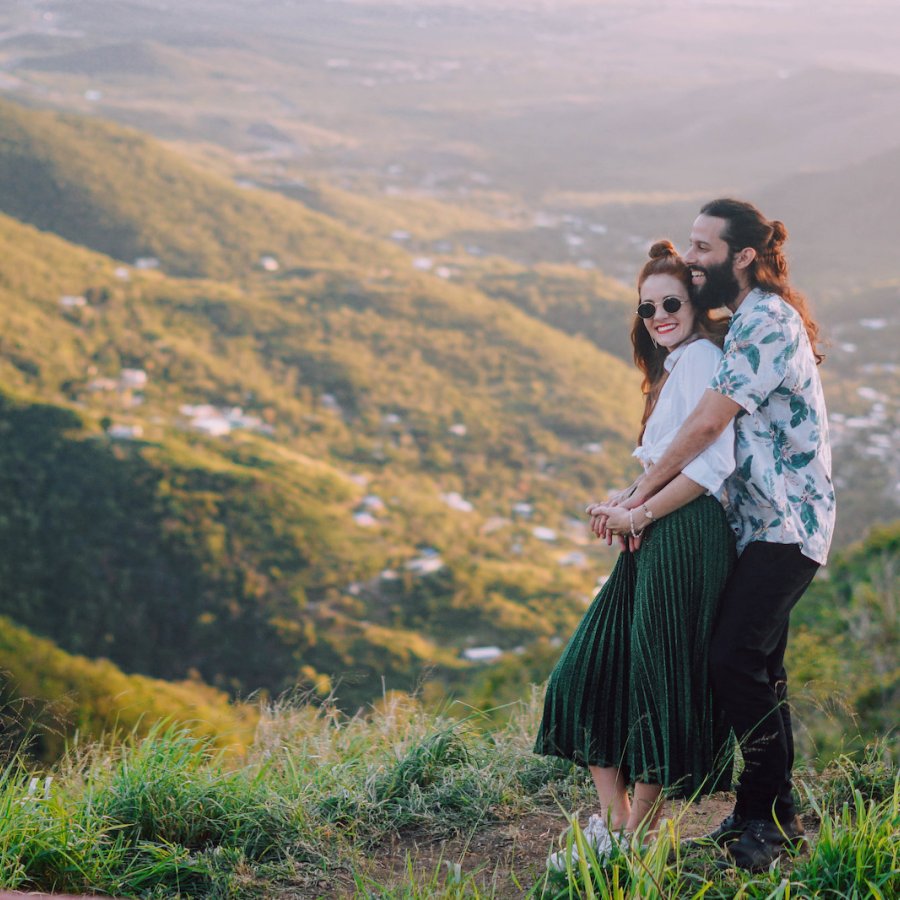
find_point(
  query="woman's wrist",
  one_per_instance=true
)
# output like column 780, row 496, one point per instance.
column 643, row 516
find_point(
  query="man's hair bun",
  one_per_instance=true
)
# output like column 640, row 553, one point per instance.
column 779, row 233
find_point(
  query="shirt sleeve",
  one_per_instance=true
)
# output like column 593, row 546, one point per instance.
column 715, row 463
column 692, row 373
column 757, row 353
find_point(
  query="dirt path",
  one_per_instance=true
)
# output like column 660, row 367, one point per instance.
column 506, row 859
column 509, row 858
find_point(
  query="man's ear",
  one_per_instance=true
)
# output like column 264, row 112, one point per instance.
column 743, row 258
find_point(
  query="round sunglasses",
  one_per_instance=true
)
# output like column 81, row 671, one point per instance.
column 647, row 309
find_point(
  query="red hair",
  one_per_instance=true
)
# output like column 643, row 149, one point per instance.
column 648, row 357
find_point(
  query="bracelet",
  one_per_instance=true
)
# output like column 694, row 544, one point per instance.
column 634, row 533
column 647, row 512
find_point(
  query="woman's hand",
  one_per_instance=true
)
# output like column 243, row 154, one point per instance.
column 598, row 519
column 617, row 518
column 608, row 521
column 599, row 515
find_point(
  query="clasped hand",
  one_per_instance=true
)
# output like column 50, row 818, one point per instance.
column 610, row 518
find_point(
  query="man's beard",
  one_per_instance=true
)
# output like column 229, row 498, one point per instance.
column 719, row 288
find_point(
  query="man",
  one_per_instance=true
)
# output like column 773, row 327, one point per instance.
column 780, row 499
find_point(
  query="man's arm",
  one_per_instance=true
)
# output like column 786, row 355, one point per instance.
column 709, row 419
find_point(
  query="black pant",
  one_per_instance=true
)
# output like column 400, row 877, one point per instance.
column 748, row 676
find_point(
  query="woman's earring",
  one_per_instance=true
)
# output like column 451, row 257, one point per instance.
column 655, row 345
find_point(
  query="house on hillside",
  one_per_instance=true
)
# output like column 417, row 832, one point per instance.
column 455, row 501
column 132, row 379
column 212, row 426
column 425, row 565
column 481, row 654
column 125, row 432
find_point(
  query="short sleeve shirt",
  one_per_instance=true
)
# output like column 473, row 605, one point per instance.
column 781, row 490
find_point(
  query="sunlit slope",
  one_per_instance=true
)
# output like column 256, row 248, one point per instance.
column 487, row 253
column 238, row 557
column 49, row 695
column 121, row 193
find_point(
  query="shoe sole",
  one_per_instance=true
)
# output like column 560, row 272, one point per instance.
column 794, row 848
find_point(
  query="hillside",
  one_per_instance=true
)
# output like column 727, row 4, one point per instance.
column 51, row 698
column 489, row 253
column 121, row 193
column 843, row 224
column 371, row 408
column 345, row 472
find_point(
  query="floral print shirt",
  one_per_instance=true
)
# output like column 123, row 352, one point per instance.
column 781, row 490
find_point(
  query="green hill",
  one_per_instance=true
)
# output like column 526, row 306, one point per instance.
column 123, row 194
column 238, row 557
column 333, row 473
column 50, row 696
column 854, row 690
column 479, row 251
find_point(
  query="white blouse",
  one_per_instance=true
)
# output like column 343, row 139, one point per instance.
column 691, row 368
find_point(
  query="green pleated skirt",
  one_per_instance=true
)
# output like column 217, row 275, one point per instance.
column 631, row 688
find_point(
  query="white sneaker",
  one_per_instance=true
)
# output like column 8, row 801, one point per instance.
column 596, row 835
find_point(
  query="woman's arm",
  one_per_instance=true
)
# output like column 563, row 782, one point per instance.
column 677, row 493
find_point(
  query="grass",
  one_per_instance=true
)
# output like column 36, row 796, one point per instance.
column 856, row 855
column 323, row 803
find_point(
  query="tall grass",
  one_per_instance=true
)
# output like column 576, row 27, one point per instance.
column 320, row 795
column 855, row 855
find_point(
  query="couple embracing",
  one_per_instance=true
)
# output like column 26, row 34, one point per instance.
column 683, row 648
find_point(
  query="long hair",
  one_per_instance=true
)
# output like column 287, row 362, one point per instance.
column 745, row 226
column 650, row 359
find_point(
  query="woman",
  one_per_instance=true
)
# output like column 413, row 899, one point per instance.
column 630, row 696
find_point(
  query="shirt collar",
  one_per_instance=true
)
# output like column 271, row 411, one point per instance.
column 755, row 295
column 673, row 356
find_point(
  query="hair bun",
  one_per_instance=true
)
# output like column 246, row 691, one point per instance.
column 661, row 249
column 779, row 233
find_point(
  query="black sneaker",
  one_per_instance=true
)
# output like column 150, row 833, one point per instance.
column 730, row 829
column 763, row 842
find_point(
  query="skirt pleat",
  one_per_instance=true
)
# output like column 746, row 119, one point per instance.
column 631, row 688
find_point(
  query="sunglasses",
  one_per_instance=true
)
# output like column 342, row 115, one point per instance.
column 647, row 309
